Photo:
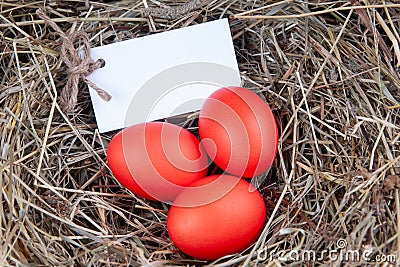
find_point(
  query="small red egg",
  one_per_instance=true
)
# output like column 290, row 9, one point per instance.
column 238, row 131
column 156, row 160
column 217, row 216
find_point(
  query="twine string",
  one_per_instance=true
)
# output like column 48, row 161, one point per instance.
column 78, row 67
column 176, row 11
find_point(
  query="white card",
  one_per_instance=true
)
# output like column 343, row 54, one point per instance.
column 162, row 75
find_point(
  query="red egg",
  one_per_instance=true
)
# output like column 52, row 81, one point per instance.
column 218, row 216
column 238, row 131
column 156, row 160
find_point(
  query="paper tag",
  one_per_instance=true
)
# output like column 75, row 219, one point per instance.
column 162, row 75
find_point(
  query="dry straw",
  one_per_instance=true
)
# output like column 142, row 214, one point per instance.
column 329, row 70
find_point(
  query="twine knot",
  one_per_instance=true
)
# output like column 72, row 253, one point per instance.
column 79, row 64
column 85, row 67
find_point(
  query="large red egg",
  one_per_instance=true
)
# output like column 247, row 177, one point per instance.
column 156, row 160
column 238, row 131
column 218, row 216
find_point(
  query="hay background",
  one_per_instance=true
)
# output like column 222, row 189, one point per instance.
column 331, row 83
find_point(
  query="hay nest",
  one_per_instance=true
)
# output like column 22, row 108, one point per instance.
column 330, row 72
